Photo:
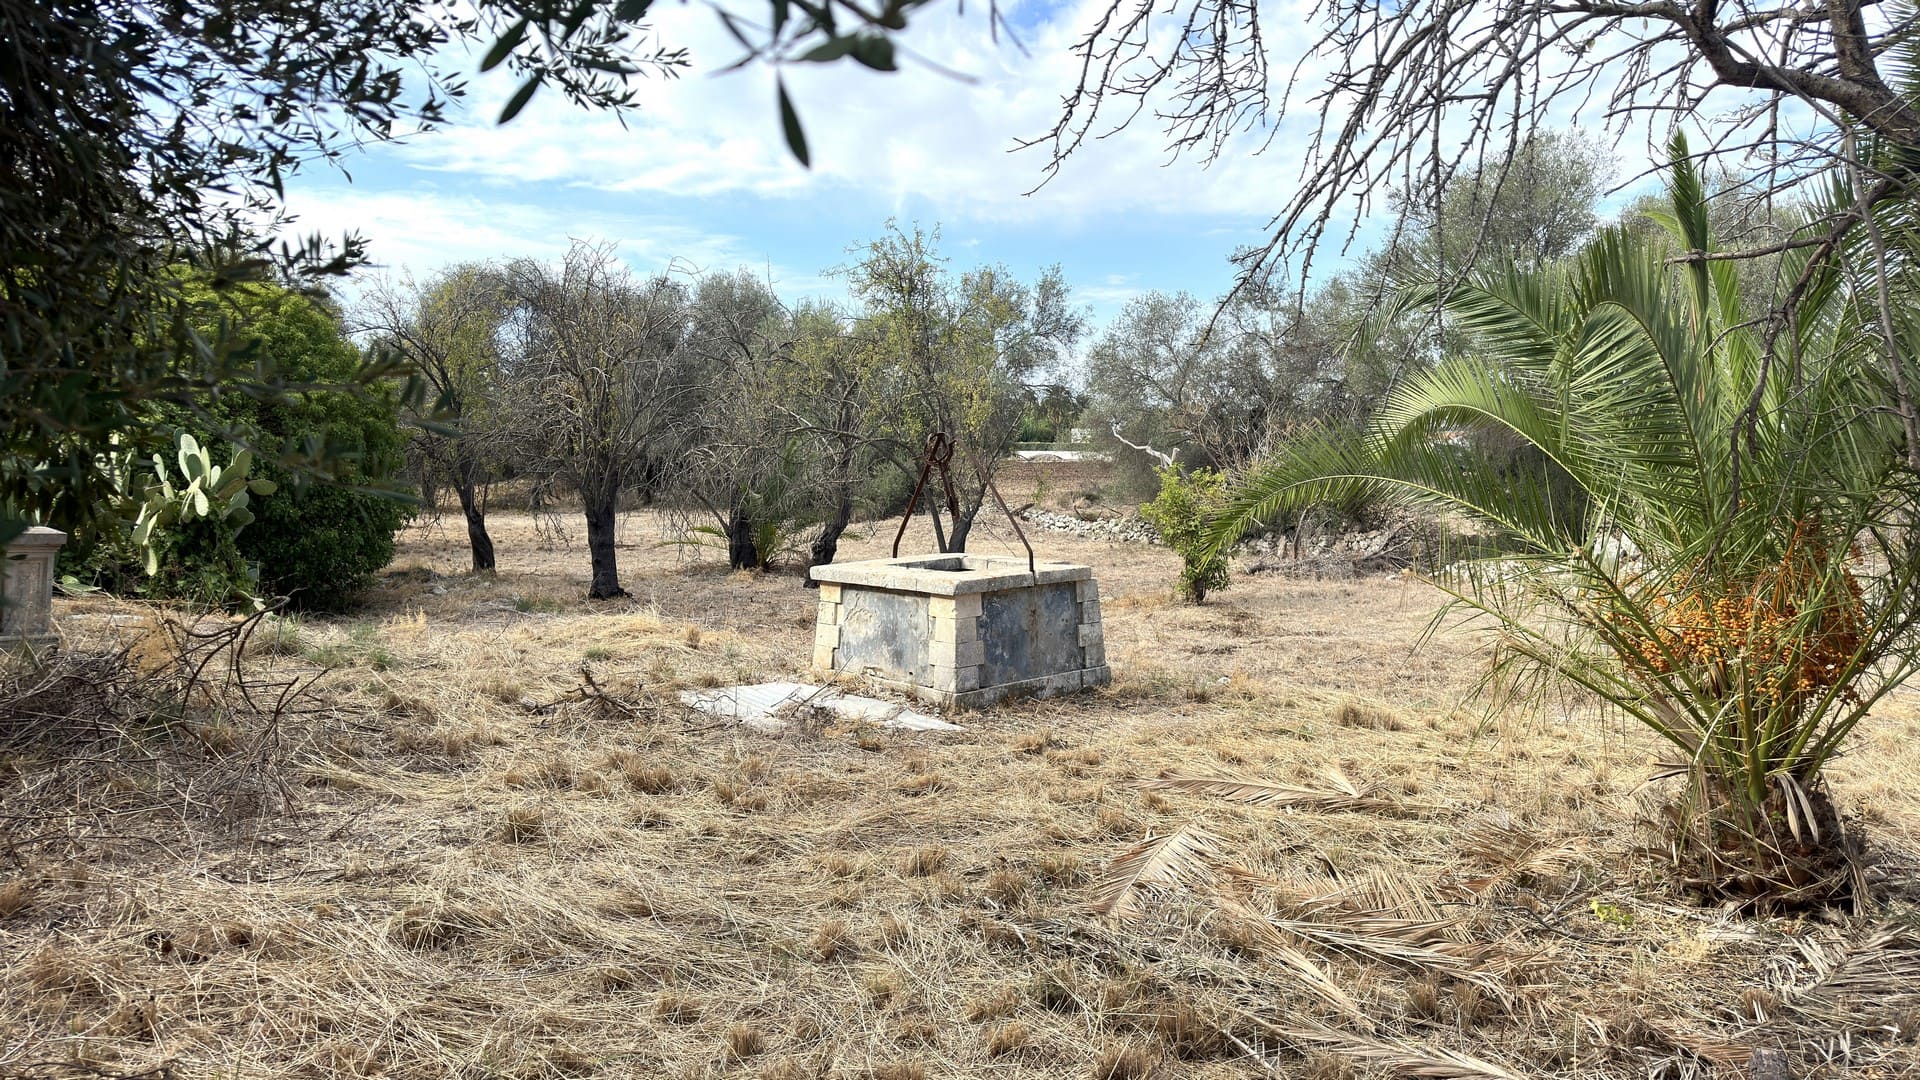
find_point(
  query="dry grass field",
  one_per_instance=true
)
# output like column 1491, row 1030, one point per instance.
column 489, row 842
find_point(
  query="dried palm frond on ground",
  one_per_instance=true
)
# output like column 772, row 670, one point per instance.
column 496, row 866
column 1267, row 793
column 1406, row 1057
column 1185, row 856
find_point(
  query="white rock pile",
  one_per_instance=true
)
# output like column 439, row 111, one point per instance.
column 1094, row 524
column 1321, row 553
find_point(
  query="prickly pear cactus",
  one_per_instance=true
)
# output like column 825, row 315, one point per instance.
column 202, row 489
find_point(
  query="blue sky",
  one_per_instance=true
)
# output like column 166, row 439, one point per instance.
column 701, row 175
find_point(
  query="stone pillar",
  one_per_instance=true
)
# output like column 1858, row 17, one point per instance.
column 826, row 629
column 955, row 652
column 1093, row 640
column 27, row 585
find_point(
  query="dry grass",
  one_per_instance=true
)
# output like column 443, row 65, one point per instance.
column 497, row 865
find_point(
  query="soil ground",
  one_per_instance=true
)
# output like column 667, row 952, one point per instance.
column 492, row 843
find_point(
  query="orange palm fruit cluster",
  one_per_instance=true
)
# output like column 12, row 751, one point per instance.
column 1777, row 634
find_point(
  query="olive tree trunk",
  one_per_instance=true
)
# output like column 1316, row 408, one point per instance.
column 465, row 484
column 601, row 502
column 741, row 553
column 827, row 544
column 956, row 541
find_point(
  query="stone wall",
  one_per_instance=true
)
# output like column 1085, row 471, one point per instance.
column 1114, row 525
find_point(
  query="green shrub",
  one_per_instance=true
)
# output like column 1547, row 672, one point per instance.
column 322, row 545
column 317, row 541
column 1036, row 429
column 1180, row 512
column 883, row 493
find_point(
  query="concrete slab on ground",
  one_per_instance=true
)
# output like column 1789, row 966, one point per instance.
column 769, row 706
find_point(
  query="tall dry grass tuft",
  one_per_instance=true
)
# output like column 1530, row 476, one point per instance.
column 1126, row 1063
column 16, row 896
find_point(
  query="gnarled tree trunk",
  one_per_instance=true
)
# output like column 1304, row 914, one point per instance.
column 601, row 503
column 962, row 526
column 741, row 553
column 827, row 544
column 475, row 512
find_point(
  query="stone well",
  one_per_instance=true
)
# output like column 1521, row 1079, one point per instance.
column 26, row 583
column 965, row 630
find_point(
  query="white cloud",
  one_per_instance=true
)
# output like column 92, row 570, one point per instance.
column 915, row 134
column 421, row 231
column 915, row 143
column 1107, row 298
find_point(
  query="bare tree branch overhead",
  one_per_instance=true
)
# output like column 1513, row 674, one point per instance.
column 1407, row 96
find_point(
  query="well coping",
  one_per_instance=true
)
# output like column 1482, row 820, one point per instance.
column 949, row 575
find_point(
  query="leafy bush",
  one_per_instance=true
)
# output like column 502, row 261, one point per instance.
column 1036, row 429
column 316, row 541
column 1181, row 513
column 883, row 492
column 322, row 545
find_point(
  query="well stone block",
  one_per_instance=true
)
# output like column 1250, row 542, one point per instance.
column 969, row 654
column 953, row 679
column 952, row 631
column 954, row 607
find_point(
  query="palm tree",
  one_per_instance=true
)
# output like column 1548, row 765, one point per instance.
column 1711, row 540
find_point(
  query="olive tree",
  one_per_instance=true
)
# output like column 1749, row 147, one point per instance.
column 738, row 458
column 598, row 370
column 836, row 396
column 449, row 330
column 964, row 352
column 1162, row 383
